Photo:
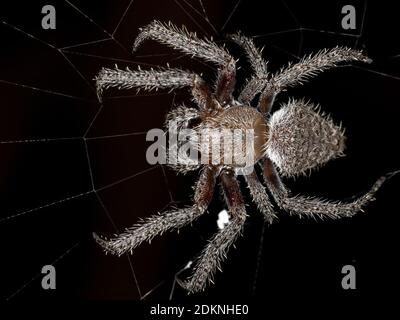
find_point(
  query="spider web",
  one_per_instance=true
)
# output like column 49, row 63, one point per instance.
column 72, row 165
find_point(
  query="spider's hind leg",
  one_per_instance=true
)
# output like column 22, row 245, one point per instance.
column 307, row 206
column 260, row 197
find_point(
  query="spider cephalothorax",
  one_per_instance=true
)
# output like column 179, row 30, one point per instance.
column 294, row 139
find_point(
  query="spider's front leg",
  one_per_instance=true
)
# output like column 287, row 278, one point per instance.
column 158, row 224
column 215, row 251
column 306, row 206
column 190, row 44
column 155, row 79
column 225, row 84
column 183, row 40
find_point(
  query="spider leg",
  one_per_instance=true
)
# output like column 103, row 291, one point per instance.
column 154, row 79
column 225, row 83
column 260, row 197
column 183, row 40
column 182, row 116
column 307, row 206
column 189, row 43
column 158, row 224
column 254, row 55
column 215, row 251
column 258, row 81
column 296, row 74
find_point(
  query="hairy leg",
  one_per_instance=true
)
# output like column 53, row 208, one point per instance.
column 147, row 229
column 212, row 256
column 190, row 44
column 308, row 206
column 260, row 196
column 258, row 81
column 225, row 83
column 184, row 41
column 296, row 74
column 154, row 79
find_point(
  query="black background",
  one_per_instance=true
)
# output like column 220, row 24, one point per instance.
column 300, row 257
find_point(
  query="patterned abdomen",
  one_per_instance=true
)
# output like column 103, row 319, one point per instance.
column 302, row 138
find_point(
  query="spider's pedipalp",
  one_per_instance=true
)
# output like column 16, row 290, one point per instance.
column 260, row 197
column 312, row 207
column 178, row 123
column 302, row 138
column 308, row 67
column 215, row 251
column 160, row 223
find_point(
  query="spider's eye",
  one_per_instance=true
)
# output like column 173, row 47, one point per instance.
column 192, row 123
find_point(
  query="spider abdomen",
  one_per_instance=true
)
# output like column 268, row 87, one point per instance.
column 303, row 138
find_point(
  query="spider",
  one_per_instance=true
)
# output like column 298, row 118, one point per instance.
column 290, row 142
